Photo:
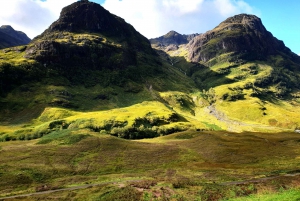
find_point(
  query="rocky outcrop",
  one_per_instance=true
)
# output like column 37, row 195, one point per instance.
column 10, row 37
column 241, row 34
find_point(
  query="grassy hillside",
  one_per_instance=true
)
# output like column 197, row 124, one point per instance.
column 240, row 95
column 100, row 115
column 182, row 166
column 221, row 94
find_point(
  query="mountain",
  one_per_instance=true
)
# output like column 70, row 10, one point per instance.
column 87, row 60
column 171, row 40
column 246, row 74
column 230, row 97
column 243, row 39
column 87, row 34
column 92, row 70
column 243, row 34
column 10, row 37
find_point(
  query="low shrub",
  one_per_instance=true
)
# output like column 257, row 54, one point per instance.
column 183, row 182
column 145, row 184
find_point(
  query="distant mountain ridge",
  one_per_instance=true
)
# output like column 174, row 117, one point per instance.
column 10, row 37
column 171, row 40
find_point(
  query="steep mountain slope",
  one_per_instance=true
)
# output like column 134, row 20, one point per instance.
column 87, row 45
column 9, row 37
column 88, row 60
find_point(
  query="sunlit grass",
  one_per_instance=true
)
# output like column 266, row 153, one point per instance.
column 289, row 195
column 184, row 162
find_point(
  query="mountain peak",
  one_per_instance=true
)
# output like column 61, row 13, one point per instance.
column 242, row 18
column 87, row 32
column 242, row 34
column 171, row 33
column 251, row 21
column 84, row 16
column 8, row 27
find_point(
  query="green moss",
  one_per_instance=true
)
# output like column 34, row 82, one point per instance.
column 212, row 126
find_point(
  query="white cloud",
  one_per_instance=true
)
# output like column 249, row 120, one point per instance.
column 181, row 7
column 154, row 18
column 31, row 16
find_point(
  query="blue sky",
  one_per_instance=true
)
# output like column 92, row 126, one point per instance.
column 154, row 18
column 279, row 17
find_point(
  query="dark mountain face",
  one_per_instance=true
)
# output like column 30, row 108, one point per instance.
column 242, row 34
column 89, row 17
column 171, row 40
column 10, row 37
column 87, row 34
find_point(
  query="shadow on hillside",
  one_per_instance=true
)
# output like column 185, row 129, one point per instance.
column 118, row 89
column 271, row 99
column 203, row 76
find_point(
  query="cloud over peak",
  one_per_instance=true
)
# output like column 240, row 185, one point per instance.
column 154, row 18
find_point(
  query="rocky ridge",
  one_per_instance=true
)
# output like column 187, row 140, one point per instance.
column 243, row 34
column 171, row 40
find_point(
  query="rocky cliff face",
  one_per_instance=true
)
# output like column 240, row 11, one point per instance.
column 10, row 37
column 87, row 34
column 242, row 34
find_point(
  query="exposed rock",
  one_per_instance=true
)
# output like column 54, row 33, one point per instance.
column 243, row 34
column 172, row 48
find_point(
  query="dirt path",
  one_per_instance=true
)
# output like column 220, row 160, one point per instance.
column 65, row 189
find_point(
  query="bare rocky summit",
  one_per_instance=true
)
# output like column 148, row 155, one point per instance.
column 243, row 34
